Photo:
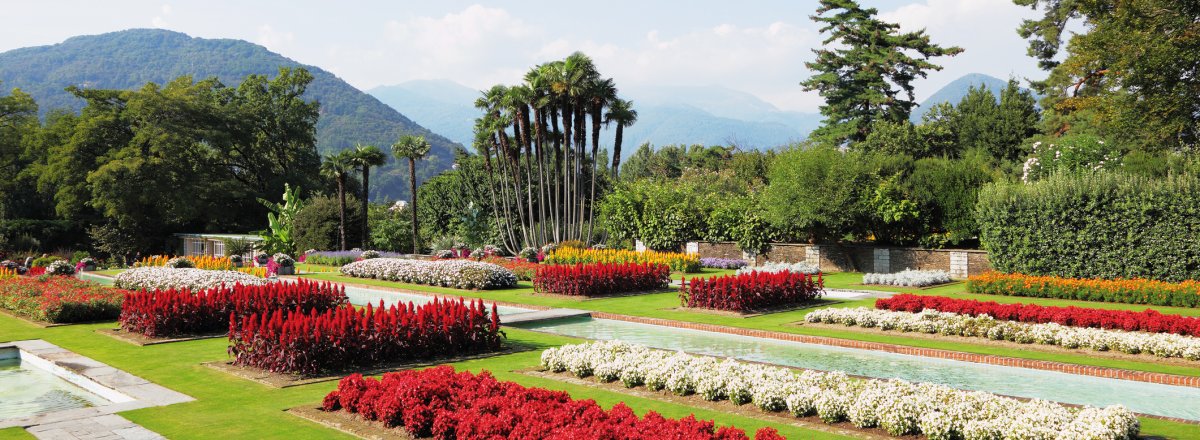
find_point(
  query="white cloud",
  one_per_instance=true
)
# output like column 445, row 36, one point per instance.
column 160, row 21
column 274, row 40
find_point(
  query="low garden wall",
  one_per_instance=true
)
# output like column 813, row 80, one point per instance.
column 857, row 258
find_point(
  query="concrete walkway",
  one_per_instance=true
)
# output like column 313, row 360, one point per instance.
column 106, row 427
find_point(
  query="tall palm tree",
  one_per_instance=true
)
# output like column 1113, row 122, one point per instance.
column 600, row 92
column 412, row 148
column 620, row 112
column 338, row 166
column 365, row 157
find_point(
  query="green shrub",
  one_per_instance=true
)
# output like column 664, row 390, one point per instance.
column 316, row 225
column 1103, row 225
column 45, row 261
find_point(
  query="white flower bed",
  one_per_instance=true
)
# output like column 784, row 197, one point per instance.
column 908, row 278
column 458, row 274
column 163, row 278
column 801, row 267
column 896, row 406
column 1168, row 345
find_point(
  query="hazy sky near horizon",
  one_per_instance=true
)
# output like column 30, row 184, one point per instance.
column 754, row 46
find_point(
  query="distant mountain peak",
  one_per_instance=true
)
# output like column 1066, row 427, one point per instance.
column 956, row 90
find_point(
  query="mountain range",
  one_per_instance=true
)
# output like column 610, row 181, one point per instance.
column 956, row 90
column 131, row 58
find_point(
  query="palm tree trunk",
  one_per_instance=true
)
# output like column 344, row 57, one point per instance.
column 412, row 186
column 341, row 183
column 366, row 173
column 591, row 217
column 539, row 153
column 616, row 164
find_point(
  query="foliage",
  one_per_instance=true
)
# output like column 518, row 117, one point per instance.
column 678, row 262
column 242, row 246
column 439, row 403
column 946, row 192
column 1127, row 291
column 908, row 278
column 860, row 66
column 59, row 299
column 115, row 241
column 1070, row 154
column 1103, row 225
column 596, row 279
column 457, row 274
column 390, row 230
column 172, row 313
column 750, row 291
column 819, row 193
column 412, row 148
column 1128, row 73
column 281, row 222
column 283, row 341
column 316, row 225
column 45, row 260
column 1146, row 321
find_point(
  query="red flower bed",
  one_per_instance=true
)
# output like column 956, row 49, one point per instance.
column 314, row 342
column 593, row 279
column 442, row 404
column 164, row 313
column 1147, row 321
column 750, row 291
column 35, row 271
column 60, row 299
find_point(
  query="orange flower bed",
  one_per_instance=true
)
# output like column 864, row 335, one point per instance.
column 1128, row 291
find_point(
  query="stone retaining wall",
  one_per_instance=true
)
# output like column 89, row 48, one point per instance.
column 858, row 258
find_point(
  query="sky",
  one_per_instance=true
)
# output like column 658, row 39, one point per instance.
column 755, row 46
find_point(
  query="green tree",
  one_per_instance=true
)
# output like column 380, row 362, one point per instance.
column 818, row 194
column 865, row 70
column 365, row 157
column 622, row 114
column 18, row 125
column 412, row 148
column 1128, row 75
column 338, row 166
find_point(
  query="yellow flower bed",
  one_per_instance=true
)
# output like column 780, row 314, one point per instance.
column 204, row 262
column 678, row 262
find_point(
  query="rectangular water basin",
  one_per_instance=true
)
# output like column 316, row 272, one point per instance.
column 1143, row 397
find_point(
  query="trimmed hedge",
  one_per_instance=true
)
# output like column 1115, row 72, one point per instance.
column 1103, row 225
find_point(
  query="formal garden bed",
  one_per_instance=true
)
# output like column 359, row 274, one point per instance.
column 750, row 292
column 1127, row 291
column 49, row 300
column 678, row 262
column 908, row 278
column 165, row 278
column 441, row 403
column 601, row 279
column 457, row 274
column 896, row 407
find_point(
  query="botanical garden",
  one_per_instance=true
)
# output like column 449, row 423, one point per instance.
column 180, row 260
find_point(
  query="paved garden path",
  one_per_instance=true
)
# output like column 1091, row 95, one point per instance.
column 105, row 427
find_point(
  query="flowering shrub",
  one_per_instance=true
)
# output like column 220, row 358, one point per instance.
column 600, row 279
column 908, row 278
column 180, row 263
column 800, row 267
column 945, row 323
column 1129, row 291
column 723, row 263
column 342, row 258
column 164, row 313
column 1147, row 321
column 528, row 253
column 367, row 255
column 458, row 274
column 164, row 278
column 283, row 260
column 311, row 342
column 444, row 254
column 59, row 299
column 523, row 269
column 439, row 403
column 678, row 262
column 895, row 406
column 750, row 291
column 60, row 267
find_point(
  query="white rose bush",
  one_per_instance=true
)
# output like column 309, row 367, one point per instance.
column 1166, row 345
column 896, row 406
column 457, row 274
column 908, row 278
column 164, row 278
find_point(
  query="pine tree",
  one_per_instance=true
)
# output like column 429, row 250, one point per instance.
column 866, row 69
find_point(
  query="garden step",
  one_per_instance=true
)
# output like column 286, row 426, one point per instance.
column 543, row 315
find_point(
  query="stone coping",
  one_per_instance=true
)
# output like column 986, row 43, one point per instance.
column 125, row 391
column 1062, row 367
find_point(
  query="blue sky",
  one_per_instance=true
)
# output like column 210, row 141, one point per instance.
column 754, row 46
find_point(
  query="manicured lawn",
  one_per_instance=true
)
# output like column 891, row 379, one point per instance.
column 229, row 407
column 665, row 306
